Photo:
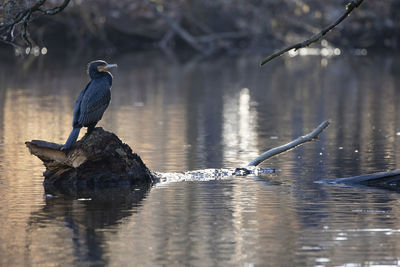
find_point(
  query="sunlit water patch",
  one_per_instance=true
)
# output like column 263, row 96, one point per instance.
column 211, row 114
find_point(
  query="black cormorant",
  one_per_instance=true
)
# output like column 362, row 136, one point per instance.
column 92, row 101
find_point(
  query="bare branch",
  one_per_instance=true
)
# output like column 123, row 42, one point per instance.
column 57, row 9
column 24, row 33
column 221, row 35
column 349, row 8
column 205, row 44
column 280, row 149
column 22, row 20
column 185, row 35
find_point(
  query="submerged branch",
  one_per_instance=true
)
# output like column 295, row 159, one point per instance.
column 373, row 178
column 383, row 180
column 349, row 8
column 280, row 149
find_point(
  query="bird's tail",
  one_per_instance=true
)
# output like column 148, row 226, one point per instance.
column 72, row 138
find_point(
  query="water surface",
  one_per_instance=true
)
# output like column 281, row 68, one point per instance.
column 213, row 113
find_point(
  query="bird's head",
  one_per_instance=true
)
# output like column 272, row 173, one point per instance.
column 99, row 66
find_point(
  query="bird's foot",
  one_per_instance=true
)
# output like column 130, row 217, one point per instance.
column 64, row 148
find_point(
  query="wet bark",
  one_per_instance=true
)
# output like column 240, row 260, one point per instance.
column 98, row 160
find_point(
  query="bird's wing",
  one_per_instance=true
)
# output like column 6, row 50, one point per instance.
column 94, row 102
column 77, row 108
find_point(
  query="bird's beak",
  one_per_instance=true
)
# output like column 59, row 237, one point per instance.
column 107, row 67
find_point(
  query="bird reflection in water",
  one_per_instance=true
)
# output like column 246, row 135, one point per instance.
column 86, row 218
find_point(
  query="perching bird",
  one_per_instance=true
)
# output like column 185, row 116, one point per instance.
column 92, row 101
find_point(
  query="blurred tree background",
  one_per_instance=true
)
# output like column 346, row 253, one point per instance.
column 206, row 26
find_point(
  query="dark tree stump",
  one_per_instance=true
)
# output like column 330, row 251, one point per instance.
column 98, row 160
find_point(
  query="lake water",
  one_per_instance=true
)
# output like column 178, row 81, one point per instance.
column 210, row 113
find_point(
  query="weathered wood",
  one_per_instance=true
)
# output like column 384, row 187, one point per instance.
column 97, row 160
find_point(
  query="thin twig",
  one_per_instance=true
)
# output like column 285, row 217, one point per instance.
column 55, row 10
column 300, row 140
column 349, row 8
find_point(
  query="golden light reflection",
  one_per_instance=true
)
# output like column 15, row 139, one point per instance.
column 239, row 128
column 252, row 213
column 24, row 116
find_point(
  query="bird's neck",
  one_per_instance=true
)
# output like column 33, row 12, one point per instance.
column 101, row 75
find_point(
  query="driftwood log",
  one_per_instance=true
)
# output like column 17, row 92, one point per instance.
column 102, row 160
column 98, row 160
